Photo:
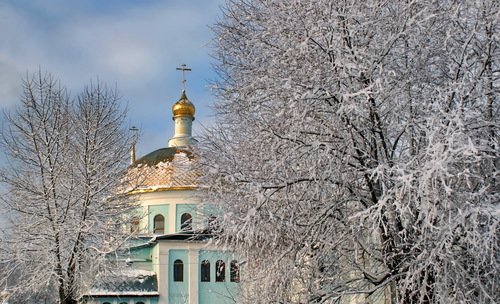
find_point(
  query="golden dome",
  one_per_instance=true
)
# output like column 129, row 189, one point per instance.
column 183, row 107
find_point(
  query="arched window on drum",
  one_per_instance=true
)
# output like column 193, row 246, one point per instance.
column 186, row 222
column 134, row 224
column 159, row 224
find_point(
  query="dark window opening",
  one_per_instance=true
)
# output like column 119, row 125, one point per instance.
column 186, row 222
column 159, row 224
column 134, row 225
column 178, row 271
column 235, row 272
column 220, row 271
column 205, row 271
column 213, row 223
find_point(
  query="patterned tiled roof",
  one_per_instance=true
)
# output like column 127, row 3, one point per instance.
column 164, row 169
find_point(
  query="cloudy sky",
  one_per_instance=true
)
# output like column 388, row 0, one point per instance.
column 135, row 45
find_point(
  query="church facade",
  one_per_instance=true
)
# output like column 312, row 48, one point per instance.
column 171, row 259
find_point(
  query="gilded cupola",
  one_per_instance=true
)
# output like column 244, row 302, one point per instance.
column 183, row 111
column 183, row 107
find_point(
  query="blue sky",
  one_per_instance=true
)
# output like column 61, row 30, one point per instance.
column 135, row 45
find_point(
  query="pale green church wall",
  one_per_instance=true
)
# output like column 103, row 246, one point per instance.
column 127, row 300
column 180, row 210
column 209, row 211
column 217, row 292
column 142, row 258
column 178, row 291
column 153, row 210
column 143, row 253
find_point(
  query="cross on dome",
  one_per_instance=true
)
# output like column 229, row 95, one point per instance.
column 184, row 69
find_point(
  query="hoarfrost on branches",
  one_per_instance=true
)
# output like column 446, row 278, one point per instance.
column 357, row 152
column 65, row 159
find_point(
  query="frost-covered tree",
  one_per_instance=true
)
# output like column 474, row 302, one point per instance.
column 65, row 158
column 356, row 154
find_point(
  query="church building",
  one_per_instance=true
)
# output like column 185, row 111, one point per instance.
column 171, row 259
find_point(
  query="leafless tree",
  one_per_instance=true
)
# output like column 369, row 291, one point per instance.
column 65, row 159
column 356, row 155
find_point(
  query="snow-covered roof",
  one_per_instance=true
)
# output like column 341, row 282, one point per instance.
column 128, row 282
column 164, row 169
column 190, row 236
column 197, row 235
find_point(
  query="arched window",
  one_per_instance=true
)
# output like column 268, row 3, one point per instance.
column 235, row 272
column 213, row 223
column 178, row 271
column 159, row 224
column 106, row 303
column 220, row 271
column 205, row 271
column 134, row 225
column 139, row 302
column 123, row 302
column 186, row 222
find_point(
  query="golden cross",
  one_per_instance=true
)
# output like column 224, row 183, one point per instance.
column 184, row 69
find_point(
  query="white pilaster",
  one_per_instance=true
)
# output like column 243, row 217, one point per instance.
column 172, row 217
column 161, row 269
column 193, row 275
